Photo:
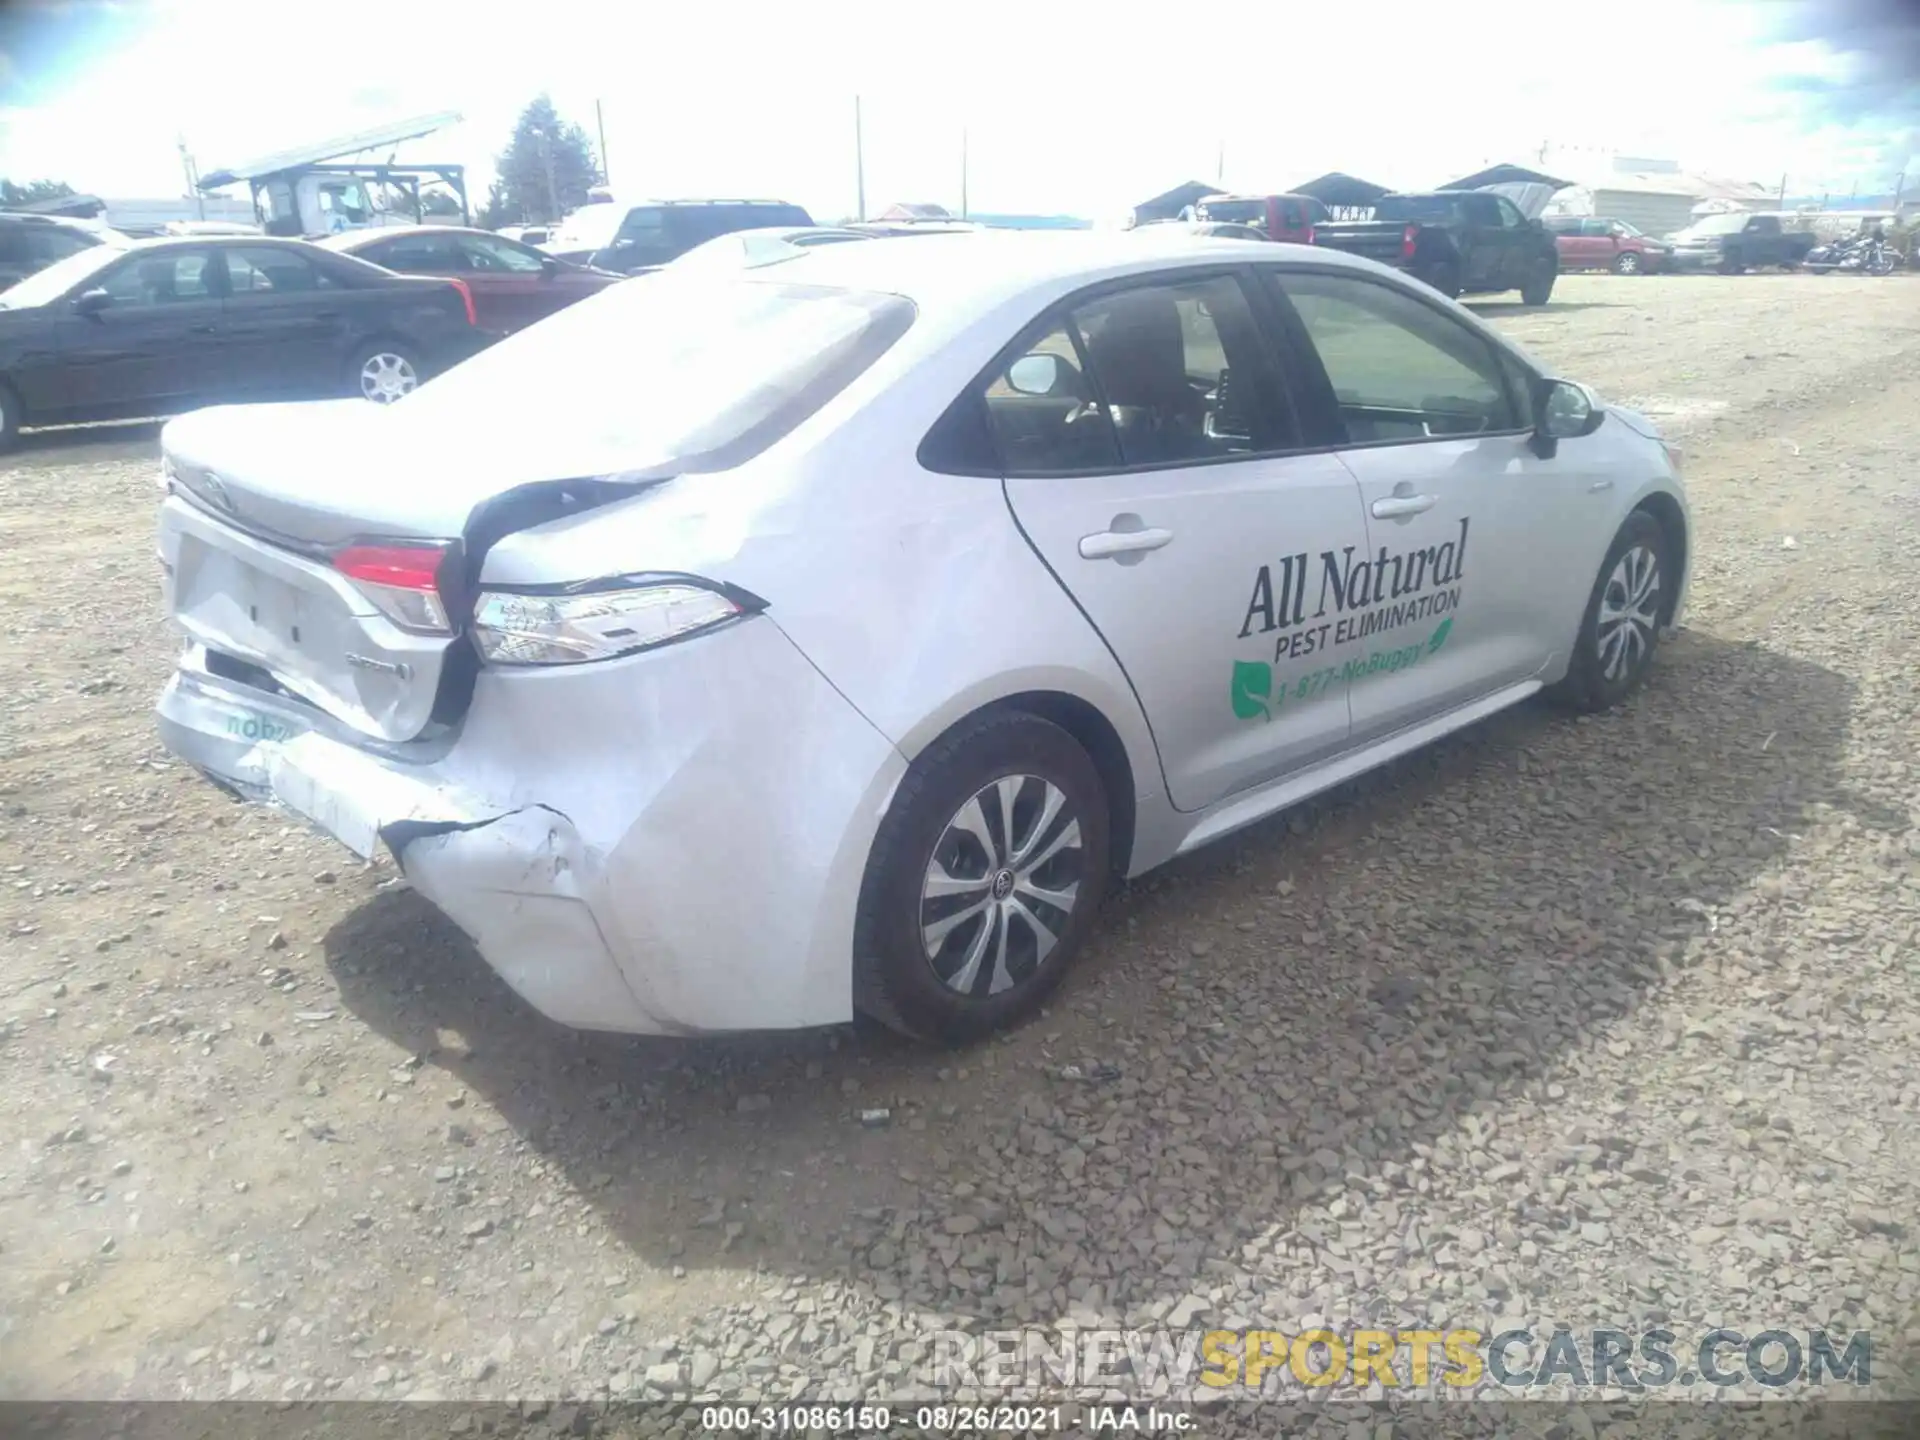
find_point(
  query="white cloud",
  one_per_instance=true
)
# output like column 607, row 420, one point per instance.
column 1065, row 109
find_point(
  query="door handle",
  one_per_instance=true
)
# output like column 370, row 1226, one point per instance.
column 200, row 329
column 1394, row 507
column 1110, row 543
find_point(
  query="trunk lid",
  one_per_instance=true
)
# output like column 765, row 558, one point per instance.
column 270, row 500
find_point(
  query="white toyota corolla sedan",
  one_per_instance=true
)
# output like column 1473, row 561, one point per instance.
column 751, row 650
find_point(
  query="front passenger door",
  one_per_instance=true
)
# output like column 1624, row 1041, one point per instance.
column 1478, row 553
column 155, row 344
column 1152, row 462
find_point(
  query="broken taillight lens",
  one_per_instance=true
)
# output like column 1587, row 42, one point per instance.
column 515, row 629
column 402, row 580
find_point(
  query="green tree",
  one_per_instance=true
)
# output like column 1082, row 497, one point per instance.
column 12, row 194
column 498, row 211
column 546, row 169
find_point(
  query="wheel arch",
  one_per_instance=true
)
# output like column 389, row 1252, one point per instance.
column 1667, row 513
column 1094, row 732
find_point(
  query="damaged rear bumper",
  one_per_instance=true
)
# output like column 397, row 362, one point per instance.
column 628, row 846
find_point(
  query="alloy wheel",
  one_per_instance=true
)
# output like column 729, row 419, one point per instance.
column 1629, row 614
column 1629, row 264
column 385, row 377
column 1001, row 885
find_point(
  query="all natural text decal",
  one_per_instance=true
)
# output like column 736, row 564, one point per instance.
column 1362, row 596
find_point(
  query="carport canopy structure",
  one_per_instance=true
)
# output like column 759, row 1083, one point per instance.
column 1338, row 191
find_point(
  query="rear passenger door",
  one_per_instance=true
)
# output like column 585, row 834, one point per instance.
column 288, row 325
column 1153, row 463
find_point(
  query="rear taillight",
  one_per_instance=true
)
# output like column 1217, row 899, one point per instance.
column 402, row 580
column 515, row 629
column 1309, row 236
column 1409, row 237
column 466, row 299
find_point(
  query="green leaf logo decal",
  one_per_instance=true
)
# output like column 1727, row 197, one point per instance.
column 1440, row 636
column 1252, row 684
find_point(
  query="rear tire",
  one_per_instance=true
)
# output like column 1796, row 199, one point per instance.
column 983, row 881
column 1538, row 287
column 1627, row 263
column 9, row 419
column 385, row 371
column 1444, row 277
column 1620, row 628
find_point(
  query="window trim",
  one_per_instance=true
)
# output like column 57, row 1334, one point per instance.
column 1307, row 358
column 1059, row 315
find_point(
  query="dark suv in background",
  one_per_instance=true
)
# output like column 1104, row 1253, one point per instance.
column 652, row 234
column 30, row 243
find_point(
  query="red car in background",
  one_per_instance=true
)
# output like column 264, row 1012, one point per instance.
column 512, row 284
column 1279, row 217
column 1593, row 242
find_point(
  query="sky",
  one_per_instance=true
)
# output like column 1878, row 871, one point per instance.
column 1065, row 109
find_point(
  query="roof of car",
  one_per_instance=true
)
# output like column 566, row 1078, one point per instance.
column 1003, row 264
column 347, row 239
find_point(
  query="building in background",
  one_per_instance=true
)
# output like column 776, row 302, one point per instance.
column 1656, row 196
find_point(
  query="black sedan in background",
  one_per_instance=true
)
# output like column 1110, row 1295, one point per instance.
column 167, row 325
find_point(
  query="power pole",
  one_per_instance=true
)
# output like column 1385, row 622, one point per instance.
column 963, row 172
column 192, row 174
column 600, row 124
column 1899, row 189
column 1783, row 194
column 1220, row 164
column 859, row 165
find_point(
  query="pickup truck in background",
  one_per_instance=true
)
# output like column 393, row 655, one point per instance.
column 1739, row 241
column 1461, row 242
column 1289, row 218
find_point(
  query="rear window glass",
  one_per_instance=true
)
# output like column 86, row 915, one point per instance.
column 1416, row 208
column 1241, row 212
column 699, row 374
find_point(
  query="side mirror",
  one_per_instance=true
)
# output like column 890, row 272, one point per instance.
column 91, row 302
column 549, row 266
column 1563, row 410
column 1034, row 374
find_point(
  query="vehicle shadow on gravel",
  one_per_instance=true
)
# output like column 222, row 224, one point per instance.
column 76, row 444
column 1301, row 1010
column 1493, row 309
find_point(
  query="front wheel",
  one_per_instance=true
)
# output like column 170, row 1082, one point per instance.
column 1537, row 288
column 1620, row 629
column 384, row 372
column 9, row 419
column 1626, row 263
column 983, row 880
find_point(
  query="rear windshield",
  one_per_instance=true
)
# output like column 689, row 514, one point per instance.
column 1415, row 208
column 1240, row 212
column 696, row 373
column 59, row 277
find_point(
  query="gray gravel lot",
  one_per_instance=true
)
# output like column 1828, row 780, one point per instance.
column 1607, row 1022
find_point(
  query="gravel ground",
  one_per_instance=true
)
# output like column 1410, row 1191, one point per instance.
column 1606, row 1022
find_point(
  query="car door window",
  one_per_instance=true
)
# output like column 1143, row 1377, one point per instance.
column 44, row 246
column 1598, row 228
column 1400, row 369
column 165, row 279
column 1183, row 372
column 1042, row 412
column 269, row 269
column 490, row 255
column 1509, row 213
column 417, row 255
column 1480, row 210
